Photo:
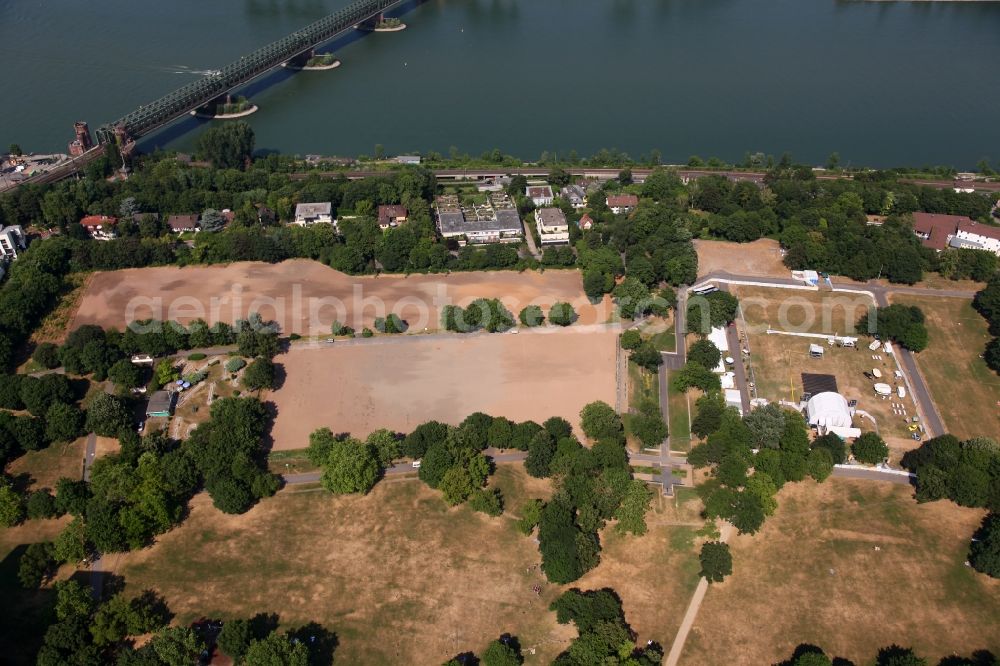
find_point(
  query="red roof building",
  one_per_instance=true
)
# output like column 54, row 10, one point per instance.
column 100, row 227
column 936, row 230
column 391, row 215
column 622, row 203
column 586, row 222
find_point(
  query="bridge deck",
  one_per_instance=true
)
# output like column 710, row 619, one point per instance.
column 149, row 117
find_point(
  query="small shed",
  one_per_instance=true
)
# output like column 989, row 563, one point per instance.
column 160, row 403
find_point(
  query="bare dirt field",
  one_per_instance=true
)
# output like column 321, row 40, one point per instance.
column 760, row 258
column 813, row 575
column 952, row 363
column 400, row 382
column 305, row 297
column 399, row 576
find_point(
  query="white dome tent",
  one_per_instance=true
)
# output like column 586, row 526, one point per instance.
column 828, row 412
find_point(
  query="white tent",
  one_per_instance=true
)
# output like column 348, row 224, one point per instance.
column 717, row 336
column 828, row 410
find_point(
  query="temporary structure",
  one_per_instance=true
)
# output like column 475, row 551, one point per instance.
column 828, row 410
column 883, row 389
column 874, row 345
column 900, row 391
column 876, row 373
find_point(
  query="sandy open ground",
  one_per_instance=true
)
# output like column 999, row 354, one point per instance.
column 760, row 258
column 305, row 296
column 400, row 382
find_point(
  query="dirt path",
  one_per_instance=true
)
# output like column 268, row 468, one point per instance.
column 692, row 611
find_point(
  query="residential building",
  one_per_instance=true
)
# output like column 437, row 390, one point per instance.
column 622, row 203
column 957, row 231
column 586, row 222
column 181, row 223
column 391, row 216
column 495, row 222
column 977, row 236
column 12, row 241
column 552, row 226
column 540, row 195
column 100, row 227
column 575, row 195
column 307, row 214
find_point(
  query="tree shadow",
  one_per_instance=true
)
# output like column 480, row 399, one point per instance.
column 320, row 641
column 263, row 624
column 280, row 376
column 27, row 613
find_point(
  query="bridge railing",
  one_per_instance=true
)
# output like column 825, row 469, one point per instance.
column 150, row 116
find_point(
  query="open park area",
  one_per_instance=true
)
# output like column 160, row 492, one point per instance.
column 761, row 258
column 399, row 382
column 305, row 296
column 850, row 566
column 966, row 391
column 778, row 361
column 400, row 577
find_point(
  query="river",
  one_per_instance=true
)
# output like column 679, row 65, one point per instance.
column 882, row 83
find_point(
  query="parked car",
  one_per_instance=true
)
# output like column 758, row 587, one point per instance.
column 415, row 464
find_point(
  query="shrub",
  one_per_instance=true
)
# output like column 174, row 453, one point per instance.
column 235, row 364
column 366, row 332
column 532, row 316
column 197, row 356
column 488, row 501
column 562, row 314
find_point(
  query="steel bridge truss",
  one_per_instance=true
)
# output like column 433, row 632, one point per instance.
column 151, row 116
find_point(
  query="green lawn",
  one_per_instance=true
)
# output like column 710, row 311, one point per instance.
column 680, row 419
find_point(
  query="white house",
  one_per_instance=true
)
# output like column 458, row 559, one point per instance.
column 307, row 214
column 540, row 195
column 552, row 226
column 978, row 236
column 11, row 241
column 622, row 203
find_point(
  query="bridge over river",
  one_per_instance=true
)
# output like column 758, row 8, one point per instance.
column 156, row 114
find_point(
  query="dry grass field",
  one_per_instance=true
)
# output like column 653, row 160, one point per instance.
column 760, row 258
column 48, row 465
column 779, row 360
column 305, row 297
column 400, row 577
column 400, row 382
column 952, row 366
column 812, row 575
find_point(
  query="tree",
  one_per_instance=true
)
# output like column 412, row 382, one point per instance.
column 234, row 639
column 705, row 352
column 984, row 551
column 36, row 564
column 415, row 444
column 820, row 464
column 647, row 424
column 748, row 513
column 277, row 650
column 531, row 316
column 63, row 423
column 71, row 543
column 108, row 416
column 632, row 298
column 352, row 467
column 631, row 339
column 766, row 425
column 696, row 375
column 870, row 448
column 227, row 146
column 177, row 646
column 457, row 485
column 709, row 417
column 487, row 500
column 541, row 451
column 646, row 356
column 501, row 433
column 531, row 513
column 631, row 513
column 895, row 655
column 41, row 505
column 502, row 653
column 600, row 421
column 47, row 355
column 125, row 374
column 259, row 374
column 562, row 314
column 710, row 311
column 11, row 504
column 834, row 445
column 716, row 561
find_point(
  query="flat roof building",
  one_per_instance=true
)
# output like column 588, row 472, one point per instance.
column 161, row 403
column 552, row 226
column 307, row 214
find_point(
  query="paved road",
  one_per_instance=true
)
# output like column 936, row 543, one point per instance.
column 88, row 455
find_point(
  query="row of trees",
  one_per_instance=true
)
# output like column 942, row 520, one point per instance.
column 903, row 324
column 85, row 631
column 987, row 303
column 745, row 483
column 592, row 486
column 968, row 473
column 807, row 654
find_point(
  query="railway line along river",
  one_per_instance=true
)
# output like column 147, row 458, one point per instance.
column 880, row 83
